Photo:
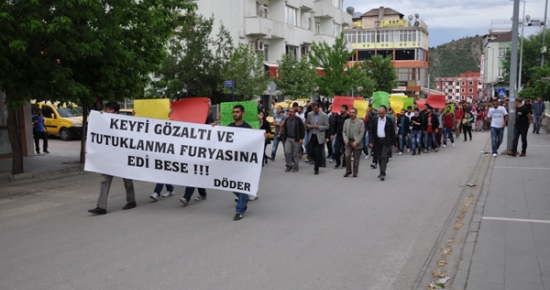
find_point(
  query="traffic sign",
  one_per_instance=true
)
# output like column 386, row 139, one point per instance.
column 228, row 84
column 501, row 92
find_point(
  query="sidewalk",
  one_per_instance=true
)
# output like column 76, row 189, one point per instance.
column 511, row 234
column 39, row 167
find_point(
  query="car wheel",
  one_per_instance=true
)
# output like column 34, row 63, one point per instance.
column 65, row 134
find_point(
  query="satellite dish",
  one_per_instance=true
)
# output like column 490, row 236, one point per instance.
column 416, row 15
column 416, row 23
column 411, row 17
column 350, row 10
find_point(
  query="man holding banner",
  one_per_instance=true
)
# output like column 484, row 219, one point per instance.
column 113, row 108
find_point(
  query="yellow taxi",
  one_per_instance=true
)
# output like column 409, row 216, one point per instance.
column 285, row 105
column 64, row 120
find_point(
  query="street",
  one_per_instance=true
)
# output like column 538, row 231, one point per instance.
column 304, row 231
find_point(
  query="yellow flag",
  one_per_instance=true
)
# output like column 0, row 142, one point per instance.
column 152, row 108
column 361, row 107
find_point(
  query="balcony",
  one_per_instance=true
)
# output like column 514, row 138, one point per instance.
column 306, row 5
column 260, row 27
column 325, row 10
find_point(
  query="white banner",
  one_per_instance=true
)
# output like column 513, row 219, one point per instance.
column 188, row 154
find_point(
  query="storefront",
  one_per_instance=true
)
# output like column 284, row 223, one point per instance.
column 25, row 128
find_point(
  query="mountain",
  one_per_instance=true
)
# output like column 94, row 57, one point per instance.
column 455, row 57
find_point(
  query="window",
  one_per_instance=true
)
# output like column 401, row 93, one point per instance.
column 463, row 90
column 336, row 3
column 350, row 36
column 366, row 37
column 463, row 83
column 364, row 54
column 449, row 83
column 502, row 51
column 262, row 9
column 292, row 50
column 501, row 72
column 384, row 36
column 470, row 90
column 291, row 15
column 449, row 90
column 336, row 30
column 318, row 28
column 47, row 111
column 470, row 83
column 309, row 21
column 266, row 52
column 304, row 50
column 407, row 54
column 458, row 90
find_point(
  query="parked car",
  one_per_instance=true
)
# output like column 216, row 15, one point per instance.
column 64, row 120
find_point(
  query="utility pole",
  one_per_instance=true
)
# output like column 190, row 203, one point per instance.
column 513, row 78
column 521, row 49
column 544, row 34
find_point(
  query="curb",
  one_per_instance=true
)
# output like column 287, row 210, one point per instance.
column 29, row 177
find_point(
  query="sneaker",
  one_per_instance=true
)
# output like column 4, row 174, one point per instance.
column 129, row 205
column 46, row 151
column 436, row 149
column 453, row 144
column 295, row 169
column 97, row 210
column 366, row 157
column 183, row 201
column 414, row 153
column 494, row 155
column 444, row 145
column 238, row 217
column 154, row 196
column 288, row 168
column 168, row 193
column 425, row 150
column 251, row 198
column 373, row 166
column 337, row 166
column 200, row 197
column 331, row 160
column 408, row 150
column 400, row 153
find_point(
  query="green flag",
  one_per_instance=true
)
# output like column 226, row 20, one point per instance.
column 380, row 98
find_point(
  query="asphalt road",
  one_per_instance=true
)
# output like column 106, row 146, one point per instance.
column 304, row 232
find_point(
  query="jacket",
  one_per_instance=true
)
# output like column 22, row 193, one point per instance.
column 358, row 131
column 435, row 122
column 323, row 126
column 389, row 129
column 298, row 127
column 407, row 123
column 339, row 121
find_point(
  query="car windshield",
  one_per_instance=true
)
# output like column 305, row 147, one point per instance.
column 69, row 112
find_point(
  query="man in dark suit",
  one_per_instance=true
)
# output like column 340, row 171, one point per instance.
column 383, row 133
column 317, row 123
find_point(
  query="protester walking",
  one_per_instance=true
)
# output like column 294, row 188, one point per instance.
column 498, row 117
column 521, row 128
column 417, row 126
column 278, row 119
column 403, row 130
column 353, row 132
column 447, row 119
column 317, row 123
column 431, row 126
column 264, row 125
column 383, row 133
column 337, row 137
column 158, row 188
column 293, row 136
column 538, row 114
column 467, row 123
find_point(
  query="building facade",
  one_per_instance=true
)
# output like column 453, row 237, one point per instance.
column 467, row 86
column 277, row 27
column 384, row 31
column 497, row 44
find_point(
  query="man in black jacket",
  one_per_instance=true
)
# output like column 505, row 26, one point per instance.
column 337, row 137
column 431, row 127
column 293, row 131
column 383, row 133
column 404, row 130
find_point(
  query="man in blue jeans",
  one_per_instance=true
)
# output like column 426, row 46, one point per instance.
column 498, row 116
column 417, row 126
column 538, row 114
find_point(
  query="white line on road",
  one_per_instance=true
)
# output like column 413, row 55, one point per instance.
column 516, row 220
column 533, row 168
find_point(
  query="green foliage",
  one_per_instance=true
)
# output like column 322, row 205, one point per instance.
column 333, row 60
column 534, row 86
column 192, row 69
column 456, row 57
column 382, row 71
column 79, row 50
column 246, row 68
column 297, row 79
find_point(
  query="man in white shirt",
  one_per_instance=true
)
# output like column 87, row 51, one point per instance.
column 498, row 116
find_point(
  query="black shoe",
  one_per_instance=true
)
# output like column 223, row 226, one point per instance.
column 316, row 172
column 245, row 207
column 382, row 177
column 37, row 152
column 236, row 200
column 46, row 151
column 97, row 210
column 414, row 153
column 238, row 217
column 337, row 166
column 129, row 205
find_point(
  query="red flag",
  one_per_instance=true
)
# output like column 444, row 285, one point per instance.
column 193, row 110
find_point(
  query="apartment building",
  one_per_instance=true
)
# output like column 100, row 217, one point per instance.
column 465, row 87
column 496, row 45
column 278, row 27
column 386, row 32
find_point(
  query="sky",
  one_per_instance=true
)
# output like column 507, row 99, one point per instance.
column 452, row 20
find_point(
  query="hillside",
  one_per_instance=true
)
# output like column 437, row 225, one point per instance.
column 455, row 57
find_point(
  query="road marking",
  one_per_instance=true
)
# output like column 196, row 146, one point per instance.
column 516, row 220
column 533, row 168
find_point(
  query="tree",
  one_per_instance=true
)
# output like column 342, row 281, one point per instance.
column 246, row 68
column 80, row 50
column 297, row 78
column 187, row 70
column 333, row 60
column 382, row 71
column 535, row 87
column 361, row 78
